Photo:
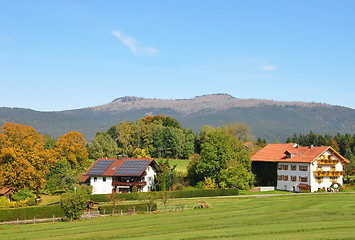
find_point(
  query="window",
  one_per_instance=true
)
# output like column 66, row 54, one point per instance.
column 293, row 167
column 333, row 179
column 303, row 179
column 285, row 167
column 333, row 168
column 279, row 177
column 303, row 168
column 319, row 168
column 285, row 177
column 95, row 179
column 319, row 179
column 280, row 167
column 104, row 179
column 293, row 178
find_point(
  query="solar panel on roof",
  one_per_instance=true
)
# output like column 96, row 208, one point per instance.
column 100, row 167
column 131, row 168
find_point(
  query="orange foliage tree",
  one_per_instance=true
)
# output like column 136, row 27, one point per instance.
column 24, row 162
column 71, row 148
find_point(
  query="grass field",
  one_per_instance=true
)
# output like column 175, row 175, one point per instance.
column 311, row 216
column 181, row 164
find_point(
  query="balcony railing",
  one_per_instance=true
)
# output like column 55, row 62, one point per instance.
column 129, row 183
column 327, row 173
column 327, row 162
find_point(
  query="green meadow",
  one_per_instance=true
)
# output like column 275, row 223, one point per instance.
column 309, row 216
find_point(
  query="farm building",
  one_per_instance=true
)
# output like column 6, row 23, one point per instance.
column 122, row 174
column 299, row 168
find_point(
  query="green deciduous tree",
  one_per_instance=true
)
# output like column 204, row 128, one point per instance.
column 74, row 203
column 103, row 145
column 236, row 177
column 219, row 150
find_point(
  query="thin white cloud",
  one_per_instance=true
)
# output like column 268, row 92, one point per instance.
column 134, row 46
column 268, row 67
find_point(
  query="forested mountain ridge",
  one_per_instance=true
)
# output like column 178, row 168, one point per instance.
column 272, row 120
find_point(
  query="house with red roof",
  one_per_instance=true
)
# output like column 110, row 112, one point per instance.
column 120, row 175
column 303, row 168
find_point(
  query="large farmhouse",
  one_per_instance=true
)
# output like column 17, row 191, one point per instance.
column 303, row 168
column 109, row 175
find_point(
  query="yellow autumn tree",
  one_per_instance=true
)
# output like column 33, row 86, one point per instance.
column 24, row 162
column 71, row 148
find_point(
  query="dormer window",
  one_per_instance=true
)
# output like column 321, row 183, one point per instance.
column 289, row 155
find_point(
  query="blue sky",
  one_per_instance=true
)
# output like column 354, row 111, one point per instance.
column 58, row 55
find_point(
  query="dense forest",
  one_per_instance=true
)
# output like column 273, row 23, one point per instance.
column 272, row 120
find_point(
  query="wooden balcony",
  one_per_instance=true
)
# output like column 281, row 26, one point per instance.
column 327, row 173
column 129, row 183
column 327, row 162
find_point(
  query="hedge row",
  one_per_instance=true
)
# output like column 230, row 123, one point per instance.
column 174, row 194
column 141, row 207
column 25, row 213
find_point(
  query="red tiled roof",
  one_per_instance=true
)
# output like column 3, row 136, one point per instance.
column 4, row 190
column 83, row 178
column 277, row 153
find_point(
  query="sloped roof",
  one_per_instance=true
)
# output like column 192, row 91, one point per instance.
column 4, row 190
column 277, row 153
column 119, row 167
column 83, row 178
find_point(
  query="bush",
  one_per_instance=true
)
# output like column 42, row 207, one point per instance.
column 24, row 195
column 74, row 204
column 4, row 202
column 202, row 204
column 176, row 194
column 25, row 213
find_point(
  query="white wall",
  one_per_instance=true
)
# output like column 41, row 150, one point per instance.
column 101, row 187
column 326, row 179
column 292, row 185
column 312, row 180
column 149, row 179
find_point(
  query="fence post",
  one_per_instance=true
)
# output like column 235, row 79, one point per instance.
column 17, row 222
column 147, row 209
column 104, row 211
column 121, row 213
column 134, row 210
column 53, row 218
column 113, row 211
column 34, row 221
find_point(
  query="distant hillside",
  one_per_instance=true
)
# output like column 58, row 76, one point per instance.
column 268, row 119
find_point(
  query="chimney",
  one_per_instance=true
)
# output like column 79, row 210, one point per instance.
column 312, row 146
column 120, row 157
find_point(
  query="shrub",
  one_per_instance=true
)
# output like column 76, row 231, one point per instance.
column 25, row 195
column 74, row 204
column 202, row 204
column 25, row 213
column 4, row 202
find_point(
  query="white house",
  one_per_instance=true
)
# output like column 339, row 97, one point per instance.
column 303, row 168
column 109, row 175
